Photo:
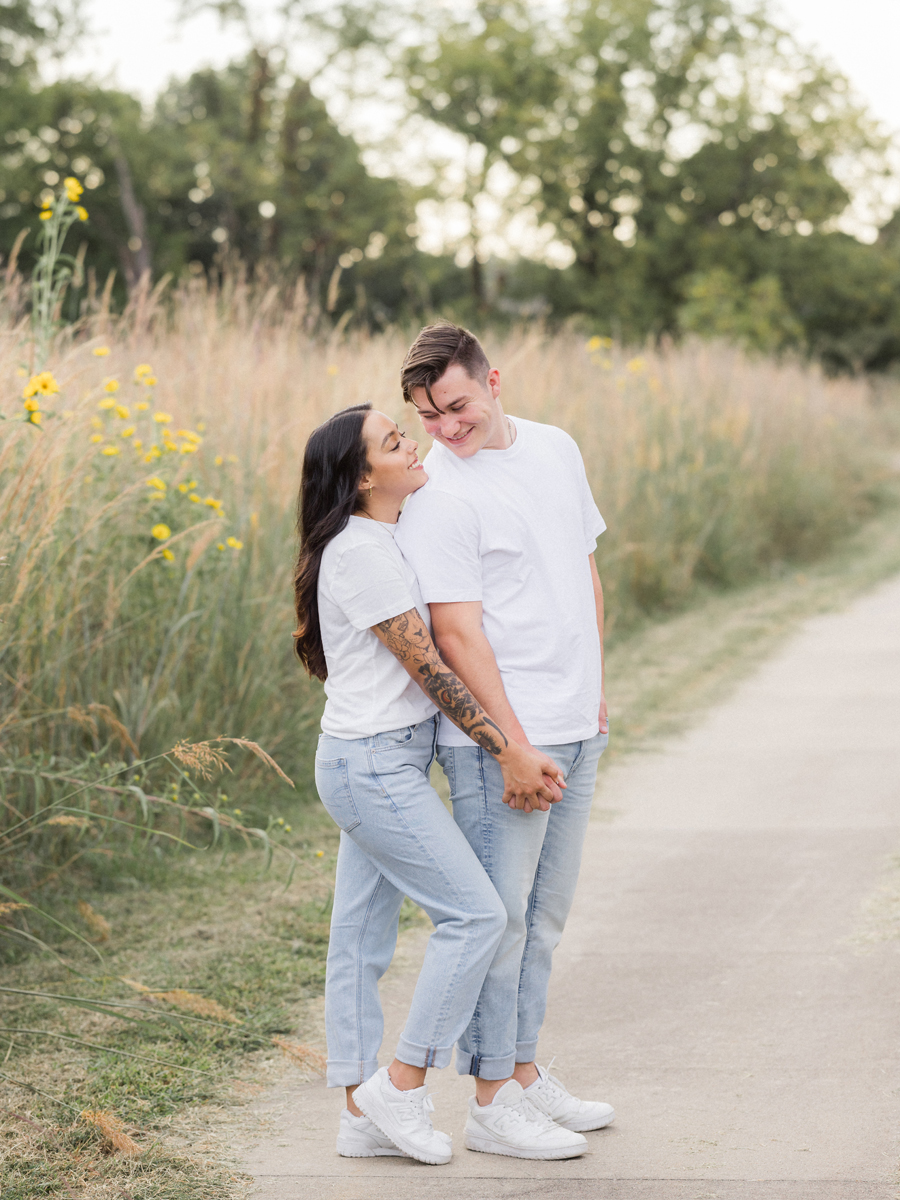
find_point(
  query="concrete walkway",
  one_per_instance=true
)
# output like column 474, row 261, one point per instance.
column 725, row 979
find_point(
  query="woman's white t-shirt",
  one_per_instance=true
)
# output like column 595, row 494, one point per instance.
column 364, row 579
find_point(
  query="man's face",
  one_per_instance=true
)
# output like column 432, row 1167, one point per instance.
column 465, row 415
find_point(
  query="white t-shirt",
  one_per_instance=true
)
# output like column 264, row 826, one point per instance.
column 514, row 528
column 363, row 580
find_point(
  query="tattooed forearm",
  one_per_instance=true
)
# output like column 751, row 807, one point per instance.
column 408, row 638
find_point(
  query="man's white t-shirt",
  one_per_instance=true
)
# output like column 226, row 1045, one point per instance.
column 514, row 528
column 363, row 580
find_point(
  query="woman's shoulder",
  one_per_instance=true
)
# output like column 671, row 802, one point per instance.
column 360, row 541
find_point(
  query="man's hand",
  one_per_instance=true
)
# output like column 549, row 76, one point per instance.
column 531, row 780
column 604, row 718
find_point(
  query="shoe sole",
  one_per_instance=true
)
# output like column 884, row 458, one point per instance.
column 365, row 1105
column 587, row 1126
column 490, row 1146
column 347, row 1152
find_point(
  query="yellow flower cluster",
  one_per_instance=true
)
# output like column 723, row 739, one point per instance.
column 38, row 385
column 73, row 189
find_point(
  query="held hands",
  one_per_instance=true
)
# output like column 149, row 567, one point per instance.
column 531, row 780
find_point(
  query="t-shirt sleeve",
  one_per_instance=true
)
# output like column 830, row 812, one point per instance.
column 367, row 585
column 439, row 535
column 592, row 521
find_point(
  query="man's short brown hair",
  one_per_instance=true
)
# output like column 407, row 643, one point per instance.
column 436, row 348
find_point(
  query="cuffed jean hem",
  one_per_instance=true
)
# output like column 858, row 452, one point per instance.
column 485, row 1068
column 526, row 1051
column 349, row 1074
column 423, row 1056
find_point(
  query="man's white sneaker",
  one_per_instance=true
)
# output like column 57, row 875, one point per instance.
column 512, row 1125
column 403, row 1117
column 359, row 1138
column 549, row 1096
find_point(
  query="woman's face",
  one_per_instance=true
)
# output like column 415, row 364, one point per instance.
column 394, row 468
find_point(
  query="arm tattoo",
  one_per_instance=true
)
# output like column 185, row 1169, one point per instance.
column 407, row 637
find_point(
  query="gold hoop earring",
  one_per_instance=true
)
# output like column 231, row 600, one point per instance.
column 370, row 493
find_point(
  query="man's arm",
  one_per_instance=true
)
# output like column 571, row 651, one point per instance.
column 528, row 774
column 598, row 601
column 464, row 648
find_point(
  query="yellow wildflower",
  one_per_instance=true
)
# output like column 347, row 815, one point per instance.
column 73, row 188
column 142, row 369
column 97, row 438
column 41, row 385
column 232, row 458
column 112, row 386
column 100, row 351
column 635, row 365
column 31, row 405
column 82, row 212
column 194, row 497
column 182, row 487
column 149, row 380
column 106, row 403
column 161, row 418
column 219, row 460
column 220, row 545
column 190, row 435
column 122, row 412
column 138, row 444
column 155, row 482
column 35, row 418
column 129, row 432
column 109, row 451
column 47, row 202
column 212, row 503
column 161, row 532
column 167, row 554
column 46, row 214
column 96, row 423
column 320, row 854
column 234, row 543
column 153, row 452
column 142, row 406
column 188, row 448
column 192, row 483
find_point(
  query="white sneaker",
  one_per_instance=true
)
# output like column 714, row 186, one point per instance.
column 403, row 1118
column 359, row 1138
column 549, row 1095
column 512, row 1125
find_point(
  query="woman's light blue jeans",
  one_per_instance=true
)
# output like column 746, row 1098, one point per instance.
column 533, row 861
column 398, row 839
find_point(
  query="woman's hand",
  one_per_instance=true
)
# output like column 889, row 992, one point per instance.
column 531, row 780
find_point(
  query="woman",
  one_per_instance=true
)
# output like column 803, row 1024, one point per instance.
column 363, row 629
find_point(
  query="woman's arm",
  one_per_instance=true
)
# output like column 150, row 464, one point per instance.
column 407, row 637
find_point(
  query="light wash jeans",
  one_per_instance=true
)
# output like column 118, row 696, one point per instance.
column 533, row 861
column 398, row 839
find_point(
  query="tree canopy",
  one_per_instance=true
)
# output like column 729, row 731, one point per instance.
column 687, row 155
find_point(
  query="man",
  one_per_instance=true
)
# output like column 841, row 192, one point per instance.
column 502, row 541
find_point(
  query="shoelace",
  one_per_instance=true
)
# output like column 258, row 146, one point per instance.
column 526, row 1111
column 417, row 1110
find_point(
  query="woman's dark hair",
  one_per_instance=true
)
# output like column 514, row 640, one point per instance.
column 334, row 461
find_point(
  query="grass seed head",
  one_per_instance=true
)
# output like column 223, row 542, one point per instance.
column 112, row 1130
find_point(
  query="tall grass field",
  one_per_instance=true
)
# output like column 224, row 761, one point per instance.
column 147, row 521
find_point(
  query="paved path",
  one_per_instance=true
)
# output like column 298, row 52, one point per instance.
column 715, row 982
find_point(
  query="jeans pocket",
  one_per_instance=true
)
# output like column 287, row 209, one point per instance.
column 333, row 786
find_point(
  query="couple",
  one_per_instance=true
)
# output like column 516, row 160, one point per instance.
column 481, row 601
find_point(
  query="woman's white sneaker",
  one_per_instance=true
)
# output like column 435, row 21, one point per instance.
column 549, row 1095
column 359, row 1138
column 403, row 1117
column 512, row 1125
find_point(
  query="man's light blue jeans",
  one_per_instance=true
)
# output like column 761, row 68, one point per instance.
column 398, row 839
column 533, row 861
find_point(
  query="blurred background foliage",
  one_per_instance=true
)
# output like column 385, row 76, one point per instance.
column 682, row 158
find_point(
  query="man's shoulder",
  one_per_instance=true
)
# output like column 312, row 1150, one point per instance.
column 538, row 431
column 434, row 500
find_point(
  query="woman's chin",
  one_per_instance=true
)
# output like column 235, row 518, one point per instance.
column 418, row 479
